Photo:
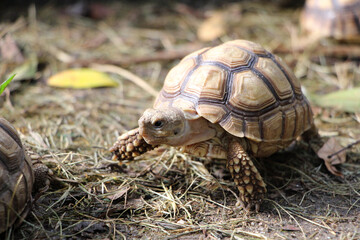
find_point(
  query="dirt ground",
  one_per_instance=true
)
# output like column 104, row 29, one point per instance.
column 165, row 194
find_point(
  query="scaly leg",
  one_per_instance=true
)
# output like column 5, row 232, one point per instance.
column 130, row 145
column 247, row 178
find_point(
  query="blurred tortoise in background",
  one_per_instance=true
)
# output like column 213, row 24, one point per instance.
column 339, row 19
column 19, row 176
column 235, row 101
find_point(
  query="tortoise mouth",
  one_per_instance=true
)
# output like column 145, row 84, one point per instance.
column 154, row 141
column 158, row 137
column 152, row 137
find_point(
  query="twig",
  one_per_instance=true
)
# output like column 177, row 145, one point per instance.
column 239, row 231
column 338, row 51
column 128, row 75
column 165, row 55
column 111, row 35
column 182, row 234
column 291, row 216
column 343, row 149
column 20, row 23
column 159, row 56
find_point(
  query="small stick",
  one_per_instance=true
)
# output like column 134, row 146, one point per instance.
column 159, row 56
column 164, row 55
column 128, row 75
column 351, row 51
column 343, row 149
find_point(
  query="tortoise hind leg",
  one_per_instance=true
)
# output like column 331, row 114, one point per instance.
column 247, row 178
column 312, row 137
column 311, row 133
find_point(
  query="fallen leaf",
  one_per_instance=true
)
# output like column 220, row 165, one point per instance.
column 213, row 27
column 81, row 78
column 346, row 100
column 331, row 154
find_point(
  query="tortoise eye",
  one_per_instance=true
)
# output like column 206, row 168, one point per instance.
column 158, row 124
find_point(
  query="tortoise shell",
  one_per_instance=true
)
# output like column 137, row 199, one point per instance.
column 245, row 89
column 16, row 177
column 339, row 19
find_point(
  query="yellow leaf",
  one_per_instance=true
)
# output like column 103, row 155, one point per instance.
column 81, row 78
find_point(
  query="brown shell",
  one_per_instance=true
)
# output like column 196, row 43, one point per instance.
column 16, row 177
column 339, row 19
column 248, row 91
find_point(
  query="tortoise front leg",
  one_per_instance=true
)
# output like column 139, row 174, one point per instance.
column 130, row 145
column 247, row 178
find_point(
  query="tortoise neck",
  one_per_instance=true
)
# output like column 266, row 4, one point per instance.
column 197, row 130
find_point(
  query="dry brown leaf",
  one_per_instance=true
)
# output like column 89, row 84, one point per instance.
column 326, row 152
column 213, row 27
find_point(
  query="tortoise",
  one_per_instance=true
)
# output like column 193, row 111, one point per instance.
column 18, row 173
column 235, row 101
column 339, row 19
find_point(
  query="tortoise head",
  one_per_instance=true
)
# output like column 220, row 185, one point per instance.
column 163, row 126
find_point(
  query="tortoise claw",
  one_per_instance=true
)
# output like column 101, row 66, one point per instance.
column 130, row 145
column 248, row 206
column 257, row 207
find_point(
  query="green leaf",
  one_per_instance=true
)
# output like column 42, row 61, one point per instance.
column 4, row 84
column 347, row 100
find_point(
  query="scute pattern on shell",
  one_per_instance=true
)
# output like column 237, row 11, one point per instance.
column 247, row 90
column 16, row 177
column 334, row 18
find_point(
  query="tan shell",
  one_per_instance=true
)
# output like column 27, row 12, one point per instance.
column 16, row 177
column 250, row 92
column 339, row 19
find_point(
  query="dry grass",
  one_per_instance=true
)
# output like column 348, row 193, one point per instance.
column 165, row 194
